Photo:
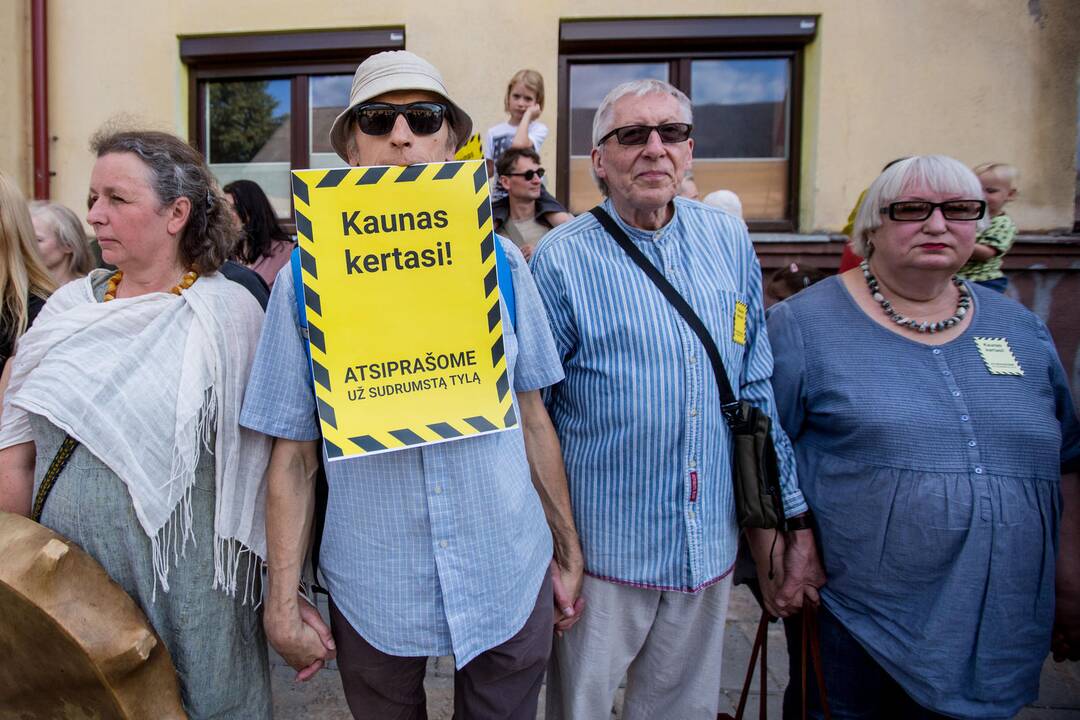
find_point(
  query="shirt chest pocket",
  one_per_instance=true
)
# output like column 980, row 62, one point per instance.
column 725, row 314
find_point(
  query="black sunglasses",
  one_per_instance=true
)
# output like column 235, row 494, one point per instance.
column 378, row 118
column 528, row 174
column 917, row 210
column 639, row 134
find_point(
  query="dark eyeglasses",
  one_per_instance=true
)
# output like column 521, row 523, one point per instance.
column 528, row 174
column 916, row 210
column 639, row 134
column 378, row 118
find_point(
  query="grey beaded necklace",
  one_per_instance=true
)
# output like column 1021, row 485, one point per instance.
column 962, row 305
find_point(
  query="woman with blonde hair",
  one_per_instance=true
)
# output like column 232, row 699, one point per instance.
column 25, row 284
column 61, row 241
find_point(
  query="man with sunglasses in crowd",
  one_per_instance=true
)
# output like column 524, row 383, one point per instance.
column 647, row 450
column 437, row 550
column 517, row 215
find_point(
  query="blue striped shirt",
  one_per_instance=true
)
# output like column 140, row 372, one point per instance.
column 434, row 550
column 647, row 452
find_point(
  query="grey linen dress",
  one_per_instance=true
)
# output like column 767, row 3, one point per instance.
column 216, row 642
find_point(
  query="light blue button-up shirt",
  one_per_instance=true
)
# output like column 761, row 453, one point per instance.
column 647, row 452
column 426, row 551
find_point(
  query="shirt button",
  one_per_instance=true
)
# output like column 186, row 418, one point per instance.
column 690, row 514
column 956, row 393
column 946, row 373
column 964, row 418
column 972, row 443
column 438, row 489
column 978, row 471
column 693, row 360
column 692, row 463
column 693, row 412
column 937, row 351
column 443, row 544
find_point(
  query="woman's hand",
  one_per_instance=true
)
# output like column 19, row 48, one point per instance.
column 803, row 573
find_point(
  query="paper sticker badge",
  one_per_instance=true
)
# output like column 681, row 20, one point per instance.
column 739, row 334
column 998, row 356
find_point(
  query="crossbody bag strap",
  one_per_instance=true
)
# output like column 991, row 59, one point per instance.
column 59, row 462
column 728, row 403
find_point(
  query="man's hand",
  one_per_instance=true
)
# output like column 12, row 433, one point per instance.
column 301, row 637
column 566, row 587
column 526, row 251
column 766, row 544
column 803, row 573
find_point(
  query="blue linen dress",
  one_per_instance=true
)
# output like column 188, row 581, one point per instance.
column 936, row 487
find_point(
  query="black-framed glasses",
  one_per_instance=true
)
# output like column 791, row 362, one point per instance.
column 639, row 134
column 528, row 174
column 917, row 210
column 378, row 118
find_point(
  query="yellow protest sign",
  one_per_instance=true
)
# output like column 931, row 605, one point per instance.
column 471, row 150
column 402, row 299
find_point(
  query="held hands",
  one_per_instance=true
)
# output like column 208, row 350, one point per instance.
column 797, row 571
column 803, row 573
column 566, row 587
column 300, row 636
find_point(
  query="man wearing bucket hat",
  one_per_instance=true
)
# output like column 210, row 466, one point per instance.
column 437, row 550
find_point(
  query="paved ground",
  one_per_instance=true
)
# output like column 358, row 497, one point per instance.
column 321, row 698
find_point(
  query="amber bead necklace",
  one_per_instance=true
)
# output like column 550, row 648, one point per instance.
column 186, row 281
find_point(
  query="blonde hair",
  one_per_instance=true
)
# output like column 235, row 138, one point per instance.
column 1002, row 171
column 22, row 273
column 938, row 173
column 532, row 80
column 69, row 232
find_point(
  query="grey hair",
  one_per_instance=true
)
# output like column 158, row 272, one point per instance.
column 637, row 88
column 177, row 170
column 937, row 173
column 69, row 232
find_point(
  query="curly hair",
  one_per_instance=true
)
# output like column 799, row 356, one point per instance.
column 178, row 170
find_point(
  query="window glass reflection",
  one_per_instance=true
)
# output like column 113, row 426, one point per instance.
column 328, row 96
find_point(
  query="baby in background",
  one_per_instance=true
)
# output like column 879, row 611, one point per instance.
column 999, row 182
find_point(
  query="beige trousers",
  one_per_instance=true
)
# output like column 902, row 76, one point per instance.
column 667, row 644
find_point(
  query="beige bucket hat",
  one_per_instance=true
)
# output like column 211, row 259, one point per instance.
column 396, row 70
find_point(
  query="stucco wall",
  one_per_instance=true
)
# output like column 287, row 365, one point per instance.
column 15, row 111
column 979, row 79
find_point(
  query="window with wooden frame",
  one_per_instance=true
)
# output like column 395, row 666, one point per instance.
column 743, row 76
column 262, row 105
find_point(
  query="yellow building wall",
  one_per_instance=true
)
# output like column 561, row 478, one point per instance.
column 977, row 79
column 16, row 109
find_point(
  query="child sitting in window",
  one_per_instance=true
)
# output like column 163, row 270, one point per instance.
column 999, row 187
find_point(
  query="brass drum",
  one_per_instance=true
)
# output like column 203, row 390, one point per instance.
column 73, row 644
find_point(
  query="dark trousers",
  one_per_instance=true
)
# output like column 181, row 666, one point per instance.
column 857, row 687
column 503, row 682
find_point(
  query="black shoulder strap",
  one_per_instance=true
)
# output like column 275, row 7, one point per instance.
column 728, row 403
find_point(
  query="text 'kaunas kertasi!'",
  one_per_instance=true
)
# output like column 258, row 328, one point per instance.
column 357, row 223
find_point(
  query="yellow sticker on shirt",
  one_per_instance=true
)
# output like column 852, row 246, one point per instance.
column 739, row 335
column 998, row 356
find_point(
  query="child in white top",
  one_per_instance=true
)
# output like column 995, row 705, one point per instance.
column 523, row 103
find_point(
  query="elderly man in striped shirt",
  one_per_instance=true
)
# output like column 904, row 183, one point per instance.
column 647, row 451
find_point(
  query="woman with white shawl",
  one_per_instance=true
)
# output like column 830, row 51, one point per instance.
column 119, row 427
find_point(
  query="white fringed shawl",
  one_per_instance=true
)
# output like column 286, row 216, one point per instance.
column 144, row 383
